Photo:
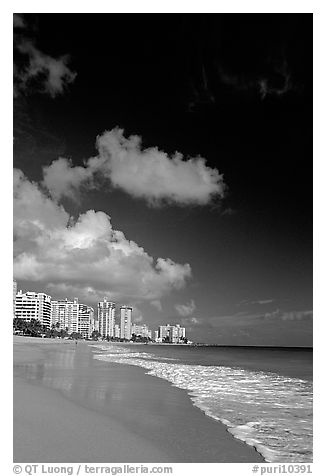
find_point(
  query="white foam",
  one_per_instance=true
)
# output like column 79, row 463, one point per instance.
column 268, row 411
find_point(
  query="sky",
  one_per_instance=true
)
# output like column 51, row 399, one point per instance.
column 165, row 161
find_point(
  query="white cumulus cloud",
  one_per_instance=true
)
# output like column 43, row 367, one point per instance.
column 85, row 257
column 52, row 74
column 186, row 309
column 61, row 178
column 18, row 21
column 193, row 321
column 149, row 174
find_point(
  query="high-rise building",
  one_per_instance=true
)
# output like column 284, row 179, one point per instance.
column 136, row 329
column 117, row 330
column 14, row 295
column 44, row 309
column 31, row 305
column 64, row 314
column 141, row 330
column 93, row 322
column 85, row 320
column 106, row 317
column 125, row 322
column 174, row 333
column 180, row 332
column 163, row 332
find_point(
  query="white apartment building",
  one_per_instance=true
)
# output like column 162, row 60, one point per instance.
column 125, row 322
column 117, row 330
column 174, row 333
column 14, row 294
column 31, row 305
column 65, row 314
column 141, row 330
column 106, row 317
column 179, row 332
column 85, row 320
column 163, row 332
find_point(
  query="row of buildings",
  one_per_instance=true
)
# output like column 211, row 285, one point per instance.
column 108, row 326
column 110, row 322
column 69, row 315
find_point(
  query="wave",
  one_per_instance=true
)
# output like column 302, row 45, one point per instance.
column 270, row 412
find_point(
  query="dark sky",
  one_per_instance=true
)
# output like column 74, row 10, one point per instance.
column 233, row 89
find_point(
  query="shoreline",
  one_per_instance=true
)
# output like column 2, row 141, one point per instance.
column 212, row 378
column 70, row 407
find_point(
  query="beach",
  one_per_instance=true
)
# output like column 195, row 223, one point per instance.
column 70, row 407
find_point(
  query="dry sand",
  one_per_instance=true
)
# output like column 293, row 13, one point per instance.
column 69, row 407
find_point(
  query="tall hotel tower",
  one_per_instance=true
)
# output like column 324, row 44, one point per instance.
column 106, row 317
column 85, row 320
column 32, row 305
column 125, row 322
column 14, row 295
column 65, row 314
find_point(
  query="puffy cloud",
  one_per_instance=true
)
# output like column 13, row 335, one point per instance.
column 62, row 179
column 150, row 174
column 195, row 321
column 50, row 75
column 84, row 257
column 185, row 309
column 85, row 292
column 18, row 21
column 274, row 79
column 34, row 214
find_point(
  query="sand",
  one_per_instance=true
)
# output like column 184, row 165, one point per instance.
column 69, row 407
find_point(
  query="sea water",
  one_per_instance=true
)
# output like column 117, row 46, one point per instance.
column 268, row 409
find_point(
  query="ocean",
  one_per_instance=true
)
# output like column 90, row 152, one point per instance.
column 262, row 395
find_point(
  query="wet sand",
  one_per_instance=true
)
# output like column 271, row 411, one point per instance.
column 69, row 407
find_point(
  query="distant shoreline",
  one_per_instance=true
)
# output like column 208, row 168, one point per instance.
column 277, row 347
column 166, row 344
column 199, row 344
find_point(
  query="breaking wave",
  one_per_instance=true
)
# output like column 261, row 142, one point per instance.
column 270, row 412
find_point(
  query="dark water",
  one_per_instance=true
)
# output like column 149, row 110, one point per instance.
column 263, row 395
column 285, row 361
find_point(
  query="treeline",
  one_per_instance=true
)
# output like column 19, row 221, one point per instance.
column 34, row 328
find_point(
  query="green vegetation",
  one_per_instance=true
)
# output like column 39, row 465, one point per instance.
column 34, row 328
column 138, row 338
column 95, row 335
column 167, row 340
